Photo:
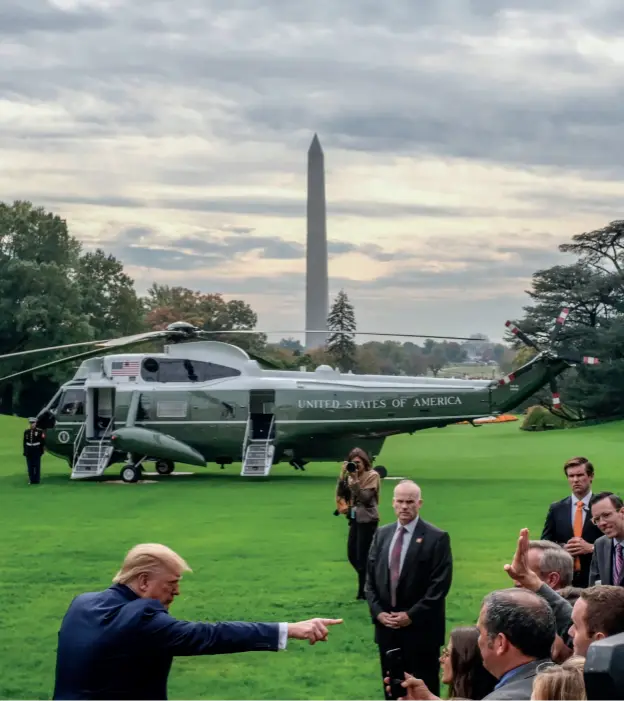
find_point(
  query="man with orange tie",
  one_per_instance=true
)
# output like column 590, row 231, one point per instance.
column 569, row 521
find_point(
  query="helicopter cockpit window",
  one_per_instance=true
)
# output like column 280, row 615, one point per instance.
column 72, row 403
column 184, row 370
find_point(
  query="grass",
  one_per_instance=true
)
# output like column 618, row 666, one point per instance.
column 269, row 550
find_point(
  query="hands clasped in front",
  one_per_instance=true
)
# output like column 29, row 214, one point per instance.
column 399, row 619
column 315, row 630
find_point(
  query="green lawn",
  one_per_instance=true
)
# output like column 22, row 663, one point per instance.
column 269, row 550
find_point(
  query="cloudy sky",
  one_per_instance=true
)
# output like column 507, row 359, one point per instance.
column 464, row 140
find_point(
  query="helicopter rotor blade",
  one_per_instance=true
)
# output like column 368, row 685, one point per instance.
column 66, row 346
column 329, row 333
column 559, row 322
column 522, row 336
column 102, row 344
column 556, row 400
column 52, row 363
column 102, row 349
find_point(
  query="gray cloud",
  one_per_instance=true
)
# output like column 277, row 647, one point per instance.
column 145, row 247
column 273, row 206
column 403, row 77
column 207, row 97
column 28, row 16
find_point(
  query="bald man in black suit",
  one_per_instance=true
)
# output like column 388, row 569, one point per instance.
column 410, row 569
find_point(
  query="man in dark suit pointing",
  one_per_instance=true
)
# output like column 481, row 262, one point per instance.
column 569, row 523
column 409, row 575
column 120, row 643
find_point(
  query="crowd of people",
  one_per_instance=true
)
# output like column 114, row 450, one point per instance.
column 530, row 640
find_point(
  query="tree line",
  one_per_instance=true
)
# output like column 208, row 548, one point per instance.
column 53, row 292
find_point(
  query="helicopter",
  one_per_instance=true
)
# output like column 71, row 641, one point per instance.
column 201, row 401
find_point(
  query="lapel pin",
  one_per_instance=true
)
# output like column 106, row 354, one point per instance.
column 419, row 540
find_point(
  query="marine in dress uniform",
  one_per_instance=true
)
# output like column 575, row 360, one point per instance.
column 34, row 447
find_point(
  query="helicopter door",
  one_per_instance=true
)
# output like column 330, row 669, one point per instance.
column 261, row 413
column 101, row 408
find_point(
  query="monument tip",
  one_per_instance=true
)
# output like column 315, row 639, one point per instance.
column 316, row 144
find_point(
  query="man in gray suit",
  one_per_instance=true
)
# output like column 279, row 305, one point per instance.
column 607, row 565
column 516, row 632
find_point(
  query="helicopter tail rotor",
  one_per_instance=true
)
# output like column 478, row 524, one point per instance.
column 572, row 357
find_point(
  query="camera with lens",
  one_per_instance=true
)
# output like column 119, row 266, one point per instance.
column 351, row 467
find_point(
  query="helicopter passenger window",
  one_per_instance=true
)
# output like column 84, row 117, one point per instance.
column 181, row 370
column 72, row 403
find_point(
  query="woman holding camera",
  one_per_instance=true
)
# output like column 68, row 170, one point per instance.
column 359, row 486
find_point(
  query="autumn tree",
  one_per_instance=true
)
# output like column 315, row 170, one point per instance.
column 207, row 311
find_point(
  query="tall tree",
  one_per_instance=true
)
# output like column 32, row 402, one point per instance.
column 108, row 296
column 341, row 323
column 50, row 294
column 593, row 289
column 40, row 302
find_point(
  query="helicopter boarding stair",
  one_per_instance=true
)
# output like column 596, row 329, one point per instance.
column 258, row 447
column 95, row 455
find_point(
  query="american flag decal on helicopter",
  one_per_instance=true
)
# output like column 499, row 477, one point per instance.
column 125, row 368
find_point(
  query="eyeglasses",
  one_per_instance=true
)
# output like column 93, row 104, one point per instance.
column 445, row 652
column 607, row 516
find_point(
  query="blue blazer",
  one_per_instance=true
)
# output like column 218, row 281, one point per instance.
column 115, row 645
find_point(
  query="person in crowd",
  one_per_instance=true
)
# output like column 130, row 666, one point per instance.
column 120, row 643
column 568, row 521
column 561, row 682
column 516, row 633
column 570, row 594
column 607, row 565
column 532, row 579
column 410, row 569
column 598, row 614
column 462, row 666
column 552, row 564
column 359, row 489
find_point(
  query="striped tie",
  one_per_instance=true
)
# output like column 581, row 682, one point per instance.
column 619, row 563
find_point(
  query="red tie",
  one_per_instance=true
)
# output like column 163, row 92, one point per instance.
column 395, row 564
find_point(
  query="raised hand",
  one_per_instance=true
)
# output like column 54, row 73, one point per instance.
column 519, row 569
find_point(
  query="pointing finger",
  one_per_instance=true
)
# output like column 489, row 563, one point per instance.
column 331, row 621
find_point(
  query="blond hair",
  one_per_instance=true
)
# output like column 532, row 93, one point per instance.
column 149, row 558
column 561, row 682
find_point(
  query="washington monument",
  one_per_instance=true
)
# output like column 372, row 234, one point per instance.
column 317, row 287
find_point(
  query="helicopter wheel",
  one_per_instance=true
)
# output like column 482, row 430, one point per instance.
column 381, row 471
column 130, row 473
column 164, row 467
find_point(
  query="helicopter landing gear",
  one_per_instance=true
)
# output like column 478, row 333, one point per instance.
column 131, row 473
column 298, row 464
column 164, row 467
column 381, row 471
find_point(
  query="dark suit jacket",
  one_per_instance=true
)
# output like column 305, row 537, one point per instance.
column 423, row 585
column 116, row 645
column 602, row 562
column 558, row 528
column 520, row 686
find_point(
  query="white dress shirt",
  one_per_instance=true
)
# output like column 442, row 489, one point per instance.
column 409, row 527
column 283, row 636
column 585, row 501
